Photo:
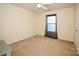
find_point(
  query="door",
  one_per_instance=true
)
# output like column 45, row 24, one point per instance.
column 77, row 27
column 51, row 26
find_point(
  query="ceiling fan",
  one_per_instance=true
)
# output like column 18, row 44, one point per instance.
column 43, row 5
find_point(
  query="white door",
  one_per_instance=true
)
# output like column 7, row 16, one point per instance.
column 76, row 20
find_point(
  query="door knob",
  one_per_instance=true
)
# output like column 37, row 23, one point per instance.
column 76, row 30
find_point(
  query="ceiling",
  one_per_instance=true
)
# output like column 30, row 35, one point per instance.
column 49, row 6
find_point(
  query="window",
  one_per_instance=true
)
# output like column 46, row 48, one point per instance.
column 51, row 23
column 51, row 26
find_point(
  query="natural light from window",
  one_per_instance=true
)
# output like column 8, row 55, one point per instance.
column 51, row 21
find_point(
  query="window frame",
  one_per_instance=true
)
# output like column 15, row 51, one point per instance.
column 51, row 23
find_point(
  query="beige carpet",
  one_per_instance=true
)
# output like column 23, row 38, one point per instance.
column 43, row 46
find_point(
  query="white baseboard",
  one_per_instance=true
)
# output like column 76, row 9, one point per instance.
column 78, row 50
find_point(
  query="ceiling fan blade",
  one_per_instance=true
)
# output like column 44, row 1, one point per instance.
column 41, row 6
column 44, row 7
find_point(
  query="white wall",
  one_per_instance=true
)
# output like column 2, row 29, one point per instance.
column 16, row 24
column 76, row 39
column 64, row 23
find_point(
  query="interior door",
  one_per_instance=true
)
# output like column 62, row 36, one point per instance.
column 51, row 26
column 77, row 27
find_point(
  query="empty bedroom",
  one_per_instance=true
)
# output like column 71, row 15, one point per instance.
column 39, row 29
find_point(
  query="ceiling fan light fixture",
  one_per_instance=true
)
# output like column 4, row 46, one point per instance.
column 39, row 5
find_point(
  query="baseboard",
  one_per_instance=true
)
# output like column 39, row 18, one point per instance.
column 67, row 40
column 77, row 50
column 22, row 40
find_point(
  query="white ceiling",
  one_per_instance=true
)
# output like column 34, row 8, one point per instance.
column 49, row 6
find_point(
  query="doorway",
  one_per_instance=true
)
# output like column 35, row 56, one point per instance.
column 51, row 26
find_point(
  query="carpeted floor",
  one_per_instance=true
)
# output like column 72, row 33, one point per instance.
column 43, row 46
